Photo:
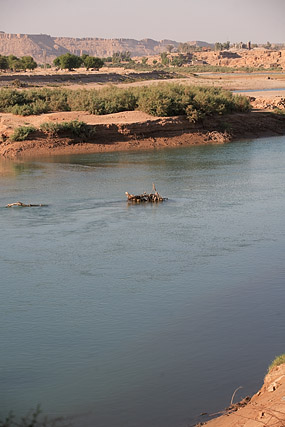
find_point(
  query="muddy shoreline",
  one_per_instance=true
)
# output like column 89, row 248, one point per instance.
column 137, row 131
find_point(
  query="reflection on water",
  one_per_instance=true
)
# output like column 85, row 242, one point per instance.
column 146, row 314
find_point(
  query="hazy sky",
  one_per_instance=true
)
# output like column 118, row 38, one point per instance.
column 181, row 20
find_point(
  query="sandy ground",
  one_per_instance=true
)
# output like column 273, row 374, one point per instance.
column 121, row 77
column 266, row 408
column 132, row 130
column 128, row 117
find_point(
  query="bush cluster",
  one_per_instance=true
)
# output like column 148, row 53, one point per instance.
column 168, row 99
column 13, row 63
column 69, row 61
column 73, row 128
column 22, row 133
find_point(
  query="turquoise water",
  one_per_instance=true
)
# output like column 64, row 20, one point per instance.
column 275, row 89
column 142, row 315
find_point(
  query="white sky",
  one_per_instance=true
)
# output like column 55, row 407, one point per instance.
column 181, row 20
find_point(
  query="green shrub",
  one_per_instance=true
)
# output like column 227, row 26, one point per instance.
column 193, row 115
column 22, row 133
column 21, row 110
column 111, row 100
column 279, row 360
column 73, row 128
column 9, row 98
column 162, row 100
column 33, row 101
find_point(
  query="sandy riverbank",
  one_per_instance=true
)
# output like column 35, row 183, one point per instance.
column 136, row 131
column 266, row 408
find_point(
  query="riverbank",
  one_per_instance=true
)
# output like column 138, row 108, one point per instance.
column 135, row 131
column 265, row 408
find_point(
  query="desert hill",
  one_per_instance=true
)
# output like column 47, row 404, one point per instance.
column 44, row 47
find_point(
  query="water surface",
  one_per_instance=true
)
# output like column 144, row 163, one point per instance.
column 274, row 89
column 141, row 315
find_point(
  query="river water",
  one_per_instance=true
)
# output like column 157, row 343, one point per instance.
column 142, row 315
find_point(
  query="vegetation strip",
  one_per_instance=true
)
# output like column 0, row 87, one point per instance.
column 162, row 100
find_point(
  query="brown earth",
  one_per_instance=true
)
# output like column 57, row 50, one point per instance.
column 136, row 131
column 74, row 80
column 266, row 408
column 123, row 78
column 257, row 57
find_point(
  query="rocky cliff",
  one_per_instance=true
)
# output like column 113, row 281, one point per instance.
column 44, row 47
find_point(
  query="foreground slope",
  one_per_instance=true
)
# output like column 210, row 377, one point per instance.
column 266, row 408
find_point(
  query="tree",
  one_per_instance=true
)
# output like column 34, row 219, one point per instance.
column 92, row 62
column 169, row 48
column 222, row 46
column 126, row 56
column 14, row 63
column 185, row 48
column 164, row 58
column 179, row 60
column 28, row 63
column 3, row 63
column 56, row 62
column 121, row 56
column 218, row 46
column 68, row 61
column 226, row 45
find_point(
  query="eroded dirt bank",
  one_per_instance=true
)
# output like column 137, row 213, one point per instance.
column 136, row 131
column 266, row 408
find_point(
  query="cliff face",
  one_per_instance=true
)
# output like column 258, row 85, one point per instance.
column 42, row 46
column 38, row 46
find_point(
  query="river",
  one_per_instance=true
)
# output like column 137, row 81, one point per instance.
column 145, row 315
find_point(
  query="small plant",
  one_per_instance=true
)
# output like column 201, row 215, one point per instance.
column 22, row 133
column 17, row 83
column 279, row 111
column 193, row 115
column 279, row 360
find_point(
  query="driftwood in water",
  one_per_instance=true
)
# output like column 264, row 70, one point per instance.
column 22, row 205
column 146, row 197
